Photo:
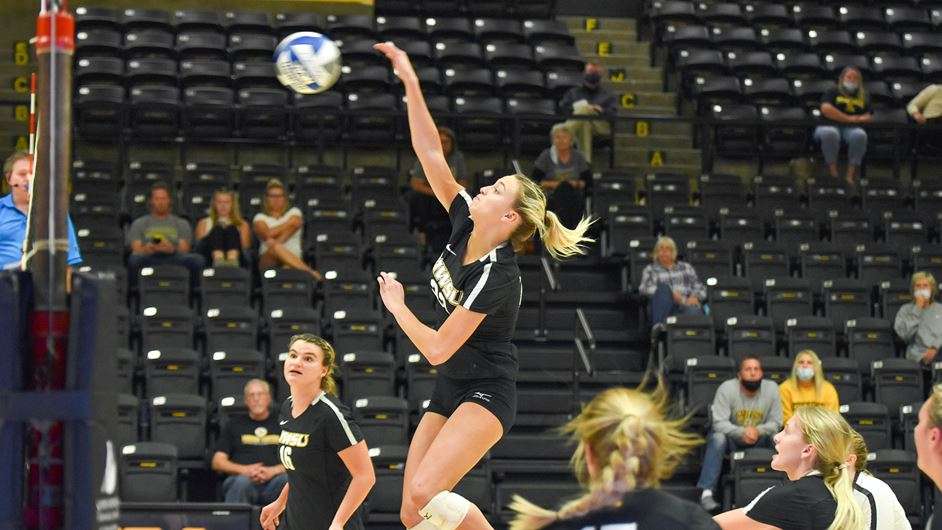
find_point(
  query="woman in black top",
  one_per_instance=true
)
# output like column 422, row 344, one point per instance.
column 326, row 459
column 477, row 284
column 846, row 107
column 814, row 450
column 626, row 447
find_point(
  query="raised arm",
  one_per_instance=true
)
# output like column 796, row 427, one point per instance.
column 425, row 140
column 437, row 346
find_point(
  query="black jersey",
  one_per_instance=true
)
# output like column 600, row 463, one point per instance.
column 642, row 510
column 803, row 504
column 317, row 477
column 489, row 285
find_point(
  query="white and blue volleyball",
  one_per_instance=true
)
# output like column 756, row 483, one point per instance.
column 307, row 62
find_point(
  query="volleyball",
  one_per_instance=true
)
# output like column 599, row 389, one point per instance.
column 307, row 62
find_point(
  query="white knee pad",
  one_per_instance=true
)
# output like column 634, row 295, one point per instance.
column 446, row 510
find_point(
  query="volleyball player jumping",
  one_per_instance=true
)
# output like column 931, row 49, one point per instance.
column 477, row 284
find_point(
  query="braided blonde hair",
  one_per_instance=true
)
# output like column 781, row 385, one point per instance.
column 634, row 443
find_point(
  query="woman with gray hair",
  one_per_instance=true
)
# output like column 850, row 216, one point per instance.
column 919, row 323
column 562, row 172
column 671, row 286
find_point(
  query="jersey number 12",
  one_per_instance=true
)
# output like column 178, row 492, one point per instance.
column 284, row 454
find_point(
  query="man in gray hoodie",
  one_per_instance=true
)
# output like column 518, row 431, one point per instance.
column 919, row 323
column 746, row 412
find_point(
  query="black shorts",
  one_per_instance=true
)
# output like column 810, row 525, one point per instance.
column 498, row 396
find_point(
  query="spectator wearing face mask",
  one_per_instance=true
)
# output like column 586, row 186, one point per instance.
column 919, row 323
column 846, row 106
column 746, row 412
column 807, row 386
column 590, row 99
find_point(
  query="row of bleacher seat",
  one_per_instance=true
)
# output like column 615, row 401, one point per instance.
column 763, row 194
column 510, row 75
column 851, row 16
column 267, row 114
column 142, row 59
column 861, row 338
column 467, row 27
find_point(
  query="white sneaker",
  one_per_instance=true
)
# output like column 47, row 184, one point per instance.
column 709, row 503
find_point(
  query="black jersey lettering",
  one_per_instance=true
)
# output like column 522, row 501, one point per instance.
column 489, row 285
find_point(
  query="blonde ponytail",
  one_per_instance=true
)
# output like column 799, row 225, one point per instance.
column 849, row 515
column 328, row 383
column 561, row 242
column 634, row 443
column 834, row 441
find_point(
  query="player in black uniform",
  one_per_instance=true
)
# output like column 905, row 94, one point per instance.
column 815, row 450
column 626, row 447
column 327, row 461
column 477, row 284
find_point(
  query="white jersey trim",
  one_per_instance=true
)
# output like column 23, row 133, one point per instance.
column 480, row 285
column 343, row 421
column 465, row 196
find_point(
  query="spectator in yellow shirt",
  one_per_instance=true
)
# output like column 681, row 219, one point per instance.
column 807, row 386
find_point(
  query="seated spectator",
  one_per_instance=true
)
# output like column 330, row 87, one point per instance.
column 247, row 451
column 814, row 450
column 223, row 235
column 672, row 286
column 278, row 229
column 846, row 106
column 590, row 99
column 926, row 109
column 627, row 446
column 807, row 386
column 562, row 171
column 746, row 412
column 14, row 209
column 919, row 323
column 425, row 212
column 161, row 237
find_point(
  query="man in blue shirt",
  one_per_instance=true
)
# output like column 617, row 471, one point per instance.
column 13, row 211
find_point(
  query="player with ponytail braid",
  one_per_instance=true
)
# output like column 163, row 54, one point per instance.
column 815, row 450
column 626, row 447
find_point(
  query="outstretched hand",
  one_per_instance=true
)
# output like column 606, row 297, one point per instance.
column 399, row 59
column 391, row 291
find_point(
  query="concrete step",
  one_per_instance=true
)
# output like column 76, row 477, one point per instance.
column 642, row 110
column 630, row 48
column 643, row 155
column 634, row 73
column 640, row 128
column 10, row 96
column 642, row 101
column 660, row 141
column 619, row 60
column 600, row 23
column 634, row 84
column 614, row 36
column 692, row 171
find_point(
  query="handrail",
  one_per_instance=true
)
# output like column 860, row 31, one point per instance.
column 548, row 273
column 586, row 329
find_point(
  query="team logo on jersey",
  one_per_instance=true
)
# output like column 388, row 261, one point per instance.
column 294, row 439
column 443, row 286
column 261, row 436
